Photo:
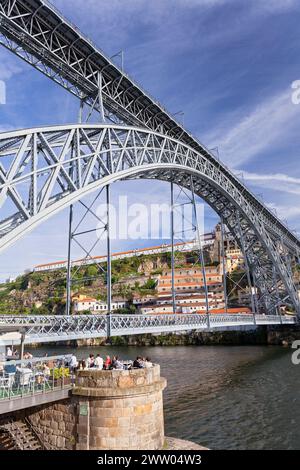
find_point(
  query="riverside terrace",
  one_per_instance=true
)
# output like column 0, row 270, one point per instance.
column 35, row 381
column 115, row 409
column 31, row 382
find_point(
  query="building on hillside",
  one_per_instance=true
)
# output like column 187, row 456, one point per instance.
column 232, row 311
column 139, row 299
column 244, row 296
column 189, row 289
column 234, row 260
column 189, row 280
column 82, row 303
column 207, row 241
column 156, row 309
column 184, row 304
column 229, row 243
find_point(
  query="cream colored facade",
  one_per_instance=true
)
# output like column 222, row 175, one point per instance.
column 234, row 260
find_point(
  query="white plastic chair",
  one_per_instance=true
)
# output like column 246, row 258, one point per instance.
column 4, row 386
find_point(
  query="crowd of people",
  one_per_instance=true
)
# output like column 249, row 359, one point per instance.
column 114, row 363
column 93, row 361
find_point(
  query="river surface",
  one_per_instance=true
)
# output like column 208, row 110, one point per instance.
column 223, row 397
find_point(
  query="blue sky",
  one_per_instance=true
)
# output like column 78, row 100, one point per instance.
column 228, row 64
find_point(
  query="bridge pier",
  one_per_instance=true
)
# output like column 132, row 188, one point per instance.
column 120, row 409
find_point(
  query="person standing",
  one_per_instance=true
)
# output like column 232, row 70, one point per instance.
column 90, row 361
column 99, row 362
column 9, row 352
column 73, row 363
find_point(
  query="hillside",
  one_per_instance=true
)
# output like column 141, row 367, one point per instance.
column 45, row 292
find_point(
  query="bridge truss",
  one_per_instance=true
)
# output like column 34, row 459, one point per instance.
column 44, row 170
column 48, row 169
column 46, row 329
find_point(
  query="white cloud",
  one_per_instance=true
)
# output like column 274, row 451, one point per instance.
column 285, row 212
column 6, row 128
column 250, row 134
column 273, row 6
column 288, row 184
column 9, row 65
column 288, row 209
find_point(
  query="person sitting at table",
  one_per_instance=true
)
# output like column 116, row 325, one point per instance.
column 90, row 362
column 137, row 363
column 148, row 363
column 83, row 365
column 28, row 355
column 107, row 363
column 10, row 368
column 117, row 364
column 46, row 370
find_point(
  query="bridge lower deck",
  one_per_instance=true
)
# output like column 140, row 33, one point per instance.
column 51, row 328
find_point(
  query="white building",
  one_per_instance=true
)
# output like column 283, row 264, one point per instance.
column 207, row 240
column 82, row 303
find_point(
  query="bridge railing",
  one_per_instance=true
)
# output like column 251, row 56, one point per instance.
column 58, row 325
column 194, row 321
column 62, row 327
column 133, row 322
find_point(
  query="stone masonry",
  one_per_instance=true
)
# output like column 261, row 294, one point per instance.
column 119, row 410
column 56, row 424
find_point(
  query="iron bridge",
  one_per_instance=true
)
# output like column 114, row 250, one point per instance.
column 44, row 170
column 66, row 328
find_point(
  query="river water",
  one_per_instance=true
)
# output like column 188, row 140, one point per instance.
column 223, row 397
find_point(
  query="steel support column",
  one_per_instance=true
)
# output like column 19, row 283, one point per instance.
column 108, row 274
column 246, row 264
column 69, row 264
column 200, row 251
column 222, row 253
column 172, row 249
column 100, row 97
column 277, row 294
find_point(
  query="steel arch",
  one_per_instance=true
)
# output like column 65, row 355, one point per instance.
column 43, row 170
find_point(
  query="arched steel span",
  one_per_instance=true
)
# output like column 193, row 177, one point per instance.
column 44, row 170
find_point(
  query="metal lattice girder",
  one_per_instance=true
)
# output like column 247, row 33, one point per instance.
column 45, row 329
column 40, row 174
column 35, row 31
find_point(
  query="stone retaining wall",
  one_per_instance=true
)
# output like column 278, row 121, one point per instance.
column 56, row 424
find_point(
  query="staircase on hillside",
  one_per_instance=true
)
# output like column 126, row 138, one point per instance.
column 19, row 435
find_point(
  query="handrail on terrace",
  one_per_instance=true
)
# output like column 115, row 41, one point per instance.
column 29, row 377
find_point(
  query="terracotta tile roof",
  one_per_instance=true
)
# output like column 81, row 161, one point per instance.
column 232, row 310
column 140, row 250
column 183, row 284
column 184, row 276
